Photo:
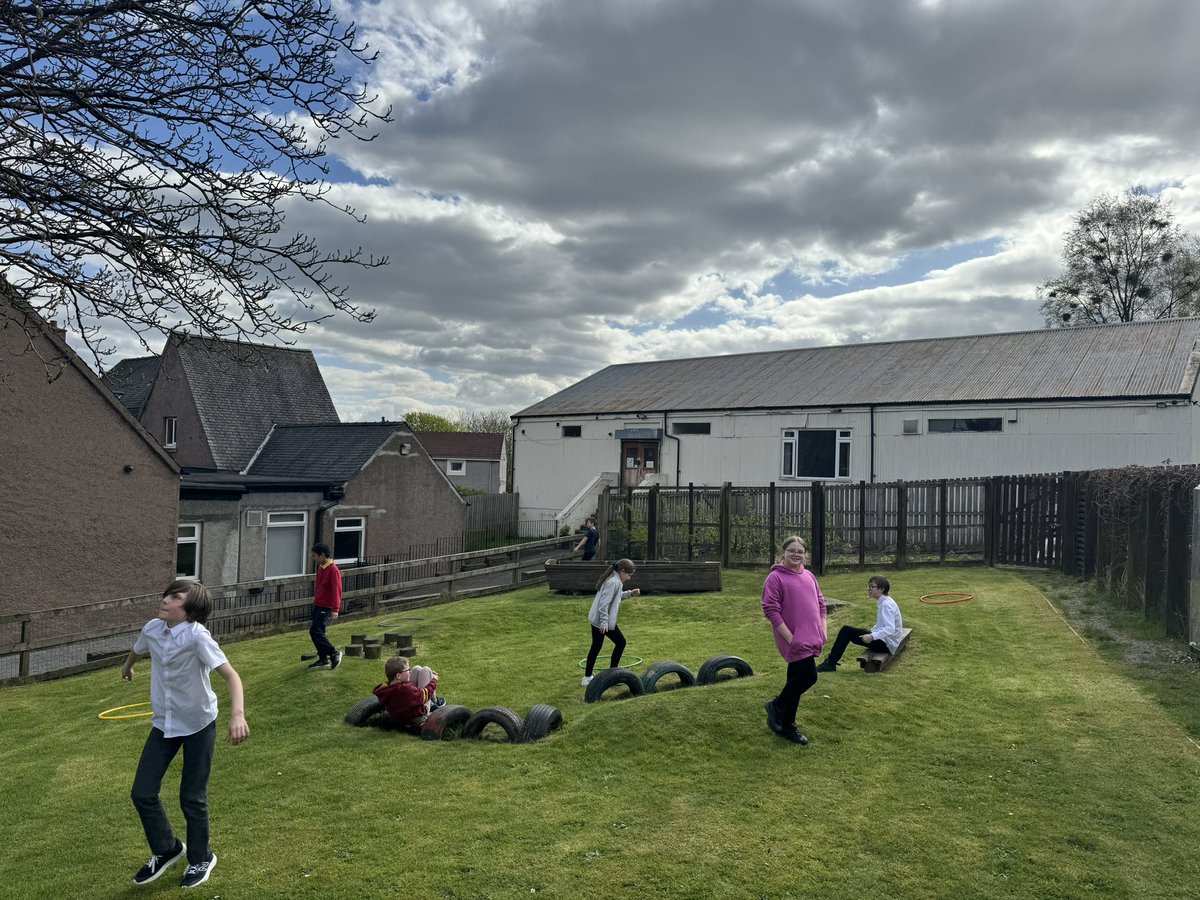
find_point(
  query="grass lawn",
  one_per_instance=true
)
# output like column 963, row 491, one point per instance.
column 1002, row 757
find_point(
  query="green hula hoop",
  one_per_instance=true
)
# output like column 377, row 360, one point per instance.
column 625, row 663
column 108, row 716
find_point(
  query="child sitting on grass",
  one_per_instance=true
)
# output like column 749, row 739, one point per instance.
column 409, row 694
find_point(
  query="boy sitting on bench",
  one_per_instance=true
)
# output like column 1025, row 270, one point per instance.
column 883, row 638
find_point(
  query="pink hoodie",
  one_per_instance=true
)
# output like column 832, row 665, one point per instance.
column 795, row 599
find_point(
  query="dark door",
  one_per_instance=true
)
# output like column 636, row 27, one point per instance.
column 638, row 459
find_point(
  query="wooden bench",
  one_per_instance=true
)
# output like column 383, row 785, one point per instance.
column 877, row 661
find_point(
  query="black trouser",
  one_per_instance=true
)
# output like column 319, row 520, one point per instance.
column 614, row 635
column 801, row 675
column 320, row 619
column 851, row 635
column 193, row 789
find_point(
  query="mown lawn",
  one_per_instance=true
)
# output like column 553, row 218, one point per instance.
column 1000, row 757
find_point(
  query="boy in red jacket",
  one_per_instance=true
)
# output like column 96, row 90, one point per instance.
column 409, row 694
column 327, row 603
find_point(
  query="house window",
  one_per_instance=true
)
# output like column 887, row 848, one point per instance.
column 572, row 431
column 287, row 539
column 949, row 426
column 816, row 453
column 457, row 467
column 169, row 426
column 187, row 551
column 349, row 539
column 691, row 427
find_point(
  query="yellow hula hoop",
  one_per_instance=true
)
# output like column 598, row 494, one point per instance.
column 108, row 716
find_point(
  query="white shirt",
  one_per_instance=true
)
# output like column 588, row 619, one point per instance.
column 180, row 659
column 888, row 624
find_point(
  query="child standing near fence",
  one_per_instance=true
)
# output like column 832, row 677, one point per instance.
column 182, row 653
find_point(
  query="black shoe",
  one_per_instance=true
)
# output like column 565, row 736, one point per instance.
column 159, row 863
column 772, row 716
column 793, row 734
column 827, row 666
column 437, row 703
column 336, row 659
column 198, row 873
column 320, row 663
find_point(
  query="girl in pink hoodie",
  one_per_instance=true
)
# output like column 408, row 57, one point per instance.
column 793, row 603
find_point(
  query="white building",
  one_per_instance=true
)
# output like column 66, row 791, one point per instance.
column 997, row 404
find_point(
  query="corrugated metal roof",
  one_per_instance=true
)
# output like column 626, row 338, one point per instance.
column 1125, row 360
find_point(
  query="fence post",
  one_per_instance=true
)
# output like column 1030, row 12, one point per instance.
column 26, row 638
column 691, row 518
column 944, row 515
column 726, row 525
column 652, row 523
column 862, row 523
column 901, row 525
column 280, row 614
column 817, row 560
column 602, row 524
column 771, row 520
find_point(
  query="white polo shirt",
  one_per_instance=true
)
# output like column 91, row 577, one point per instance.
column 180, row 660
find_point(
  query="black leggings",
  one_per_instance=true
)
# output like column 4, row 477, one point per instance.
column 614, row 635
column 848, row 635
column 801, row 675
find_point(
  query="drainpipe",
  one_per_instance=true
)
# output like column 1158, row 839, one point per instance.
column 872, row 443
column 678, row 446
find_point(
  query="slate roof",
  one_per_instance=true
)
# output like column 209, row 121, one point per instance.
column 130, row 380
column 1152, row 359
column 332, row 452
column 462, row 445
column 241, row 390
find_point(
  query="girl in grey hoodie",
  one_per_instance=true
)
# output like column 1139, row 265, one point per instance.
column 603, row 614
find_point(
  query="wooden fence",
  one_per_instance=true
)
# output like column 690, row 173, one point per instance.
column 57, row 642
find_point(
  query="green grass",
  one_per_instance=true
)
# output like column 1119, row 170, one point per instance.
column 1003, row 756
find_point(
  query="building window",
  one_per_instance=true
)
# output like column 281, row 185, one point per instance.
column 187, row 551
column 287, row 544
column 169, row 426
column 457, row 467
column 349, row 539
column 816, row 453
column 572, row 431
column 953, row 426
column 691, row 427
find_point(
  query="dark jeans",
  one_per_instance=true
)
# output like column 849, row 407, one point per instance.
column 801, row 675
column 193, row 789
column 614, row 635
column 851, row 635
column 320, row 618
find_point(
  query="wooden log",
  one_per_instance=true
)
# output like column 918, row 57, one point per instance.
column 354, row 650
column 877, row 661
column 372, row 651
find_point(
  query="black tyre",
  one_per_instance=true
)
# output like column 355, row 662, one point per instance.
column 445, row 723
column 494, row 715
column 540, row 721
column 709, row 671
column 602, row 681
column 363, row 711
column 657, row 670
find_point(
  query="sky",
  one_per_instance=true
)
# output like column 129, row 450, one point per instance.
column 566, row 185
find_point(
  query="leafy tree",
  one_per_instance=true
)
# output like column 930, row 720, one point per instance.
column 149, row 149
column 1124, row 259
column 491, row 421
column 423, row 421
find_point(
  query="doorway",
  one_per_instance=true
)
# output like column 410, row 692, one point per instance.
column 638, row 459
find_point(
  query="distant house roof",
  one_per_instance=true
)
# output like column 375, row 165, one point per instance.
column 241, row 390
column 1122, row 361
column 462, row 444
column 334, row 452
column 130, row 381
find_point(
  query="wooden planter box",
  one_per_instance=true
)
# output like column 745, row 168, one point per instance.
column 651, row 577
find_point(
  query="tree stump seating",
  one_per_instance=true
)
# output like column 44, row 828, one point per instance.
column 354, row 650
column 876, row 661
column 372, row 651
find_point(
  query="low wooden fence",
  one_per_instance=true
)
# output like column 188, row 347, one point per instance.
column 57, row 642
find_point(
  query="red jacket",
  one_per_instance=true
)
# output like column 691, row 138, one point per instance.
column 327, row 591
column 404, row 701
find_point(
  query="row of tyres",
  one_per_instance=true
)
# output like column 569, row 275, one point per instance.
column 711, row 671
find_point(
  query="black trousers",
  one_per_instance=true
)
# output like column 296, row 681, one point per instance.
column 851, row 635
column 801, row 675
column 193, row 789
column 614, row 635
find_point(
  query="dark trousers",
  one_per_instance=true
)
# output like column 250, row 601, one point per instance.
column 614, row 635
column 193, row 789
column 851, row 635
column 801, row 675
column 320, row 618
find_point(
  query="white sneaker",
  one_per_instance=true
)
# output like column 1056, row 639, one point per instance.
column 587, row 679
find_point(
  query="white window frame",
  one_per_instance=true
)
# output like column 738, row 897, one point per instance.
column 460, row 472
column 170, row 431
column 843, row 439
column 192, row 538
column 340, row 527
column 276, row 521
